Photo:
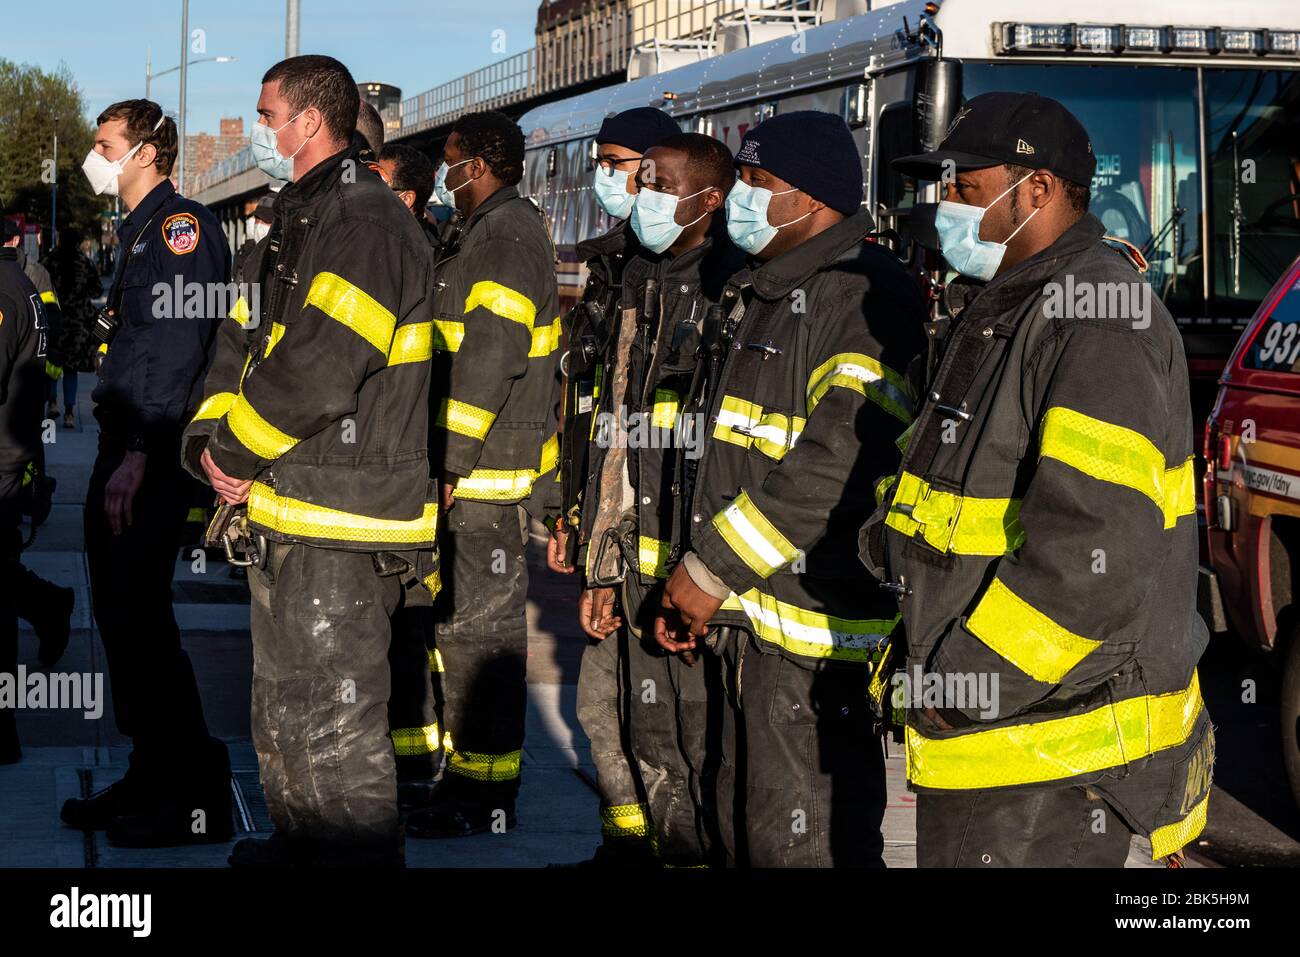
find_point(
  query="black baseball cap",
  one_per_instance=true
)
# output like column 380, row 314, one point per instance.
column 1021, row 129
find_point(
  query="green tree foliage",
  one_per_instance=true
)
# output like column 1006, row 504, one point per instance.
column 34, row 105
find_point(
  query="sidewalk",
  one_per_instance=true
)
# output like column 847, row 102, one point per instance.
column 67, row 755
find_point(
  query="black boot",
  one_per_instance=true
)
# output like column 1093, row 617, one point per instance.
column 272, row 853
column 172, row 820
column 96, row 812
column 452, row 816
column 53, row 625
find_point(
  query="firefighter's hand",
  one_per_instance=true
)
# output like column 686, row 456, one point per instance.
column 684, row 612
column 448, row 496
column 596, row 613
column 557, row 544
column 233, row 491
column 119, row 493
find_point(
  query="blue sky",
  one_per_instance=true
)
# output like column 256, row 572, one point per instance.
column 414, row 44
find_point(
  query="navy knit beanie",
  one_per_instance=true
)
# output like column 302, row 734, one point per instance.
column 811, row 150
column 638, row 129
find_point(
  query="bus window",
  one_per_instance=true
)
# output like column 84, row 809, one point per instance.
column 1253, row 128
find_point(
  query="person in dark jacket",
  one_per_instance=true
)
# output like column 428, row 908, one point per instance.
column 77, row 283
column 138, row 496
column 319, row 432
column 818, row 335
column 497, row 335
column 40, row 278
column 1041, row 533
column 23, row 344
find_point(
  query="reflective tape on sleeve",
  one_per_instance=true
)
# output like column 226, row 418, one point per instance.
column 503, row 301
column 1029, row 639
column 255, row 433
column 952, row 523
column 814, row 634
column 1121, row 456
column 215, row 406
column 754, row 539
column 352, row 307
column 464, row 419
column 546, row 339
column 865, row 375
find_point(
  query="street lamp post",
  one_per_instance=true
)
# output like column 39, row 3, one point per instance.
column 185, row 72
column 150, row 77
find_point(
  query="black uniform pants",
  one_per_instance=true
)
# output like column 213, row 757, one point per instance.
column 412, row 712
column 482, row 635
column 155, row 697
column 321, row 632
column 675, row 745
column 602, row 712
column 802, row 777
column 1052, row 827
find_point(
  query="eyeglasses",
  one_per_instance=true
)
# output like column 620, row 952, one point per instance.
column 609, row 165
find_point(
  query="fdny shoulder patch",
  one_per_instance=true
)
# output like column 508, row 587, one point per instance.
column 181, row 233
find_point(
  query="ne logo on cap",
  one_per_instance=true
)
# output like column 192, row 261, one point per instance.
column 748, row 153
column 1023, row 147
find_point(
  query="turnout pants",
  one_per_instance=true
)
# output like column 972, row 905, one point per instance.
column 155, row 697
column 602, row 712
column 802, row 778
column 1051, row 827
column 412, row 711
column 321, row 633
column 482, row 637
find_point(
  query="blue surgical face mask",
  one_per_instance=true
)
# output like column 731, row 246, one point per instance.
column 611, row 192
column 958, row 226
column 448, row 196
column 747, row 223
column 265, row 143
column 654, row 218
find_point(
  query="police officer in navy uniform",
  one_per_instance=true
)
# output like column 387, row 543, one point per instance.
column 170, row 279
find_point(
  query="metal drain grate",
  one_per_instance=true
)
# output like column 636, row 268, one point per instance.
column 250, row 802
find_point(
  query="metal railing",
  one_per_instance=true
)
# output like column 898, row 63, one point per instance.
column 499, row 84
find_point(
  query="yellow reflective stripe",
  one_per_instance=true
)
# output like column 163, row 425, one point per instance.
column 485, row 767
column 1105, row 737
column 863, row 374
column 464, row 419
column 879, row 675
column 433, row 582
column 49, row 297
column 491, row 485
column 1113, row 453
column 624, row 820
column 736, row 414
column 813, row 634
column 503, row 301
column 652, row 556
column 1173, row 837
column 448, row 334
column 667, row 402
column 408, row 742
column 775, row 434
column 435, row 661
column 546, row 339
column 215, row 406
column 1026, row 637
column 883, row 486
column 757, row 542
column 953, row 523
column 550, row 454
column 348, row 304
column 240, row 311
column 255, row 433
column 412, row 342
column 273, row 340
column 295, row 517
